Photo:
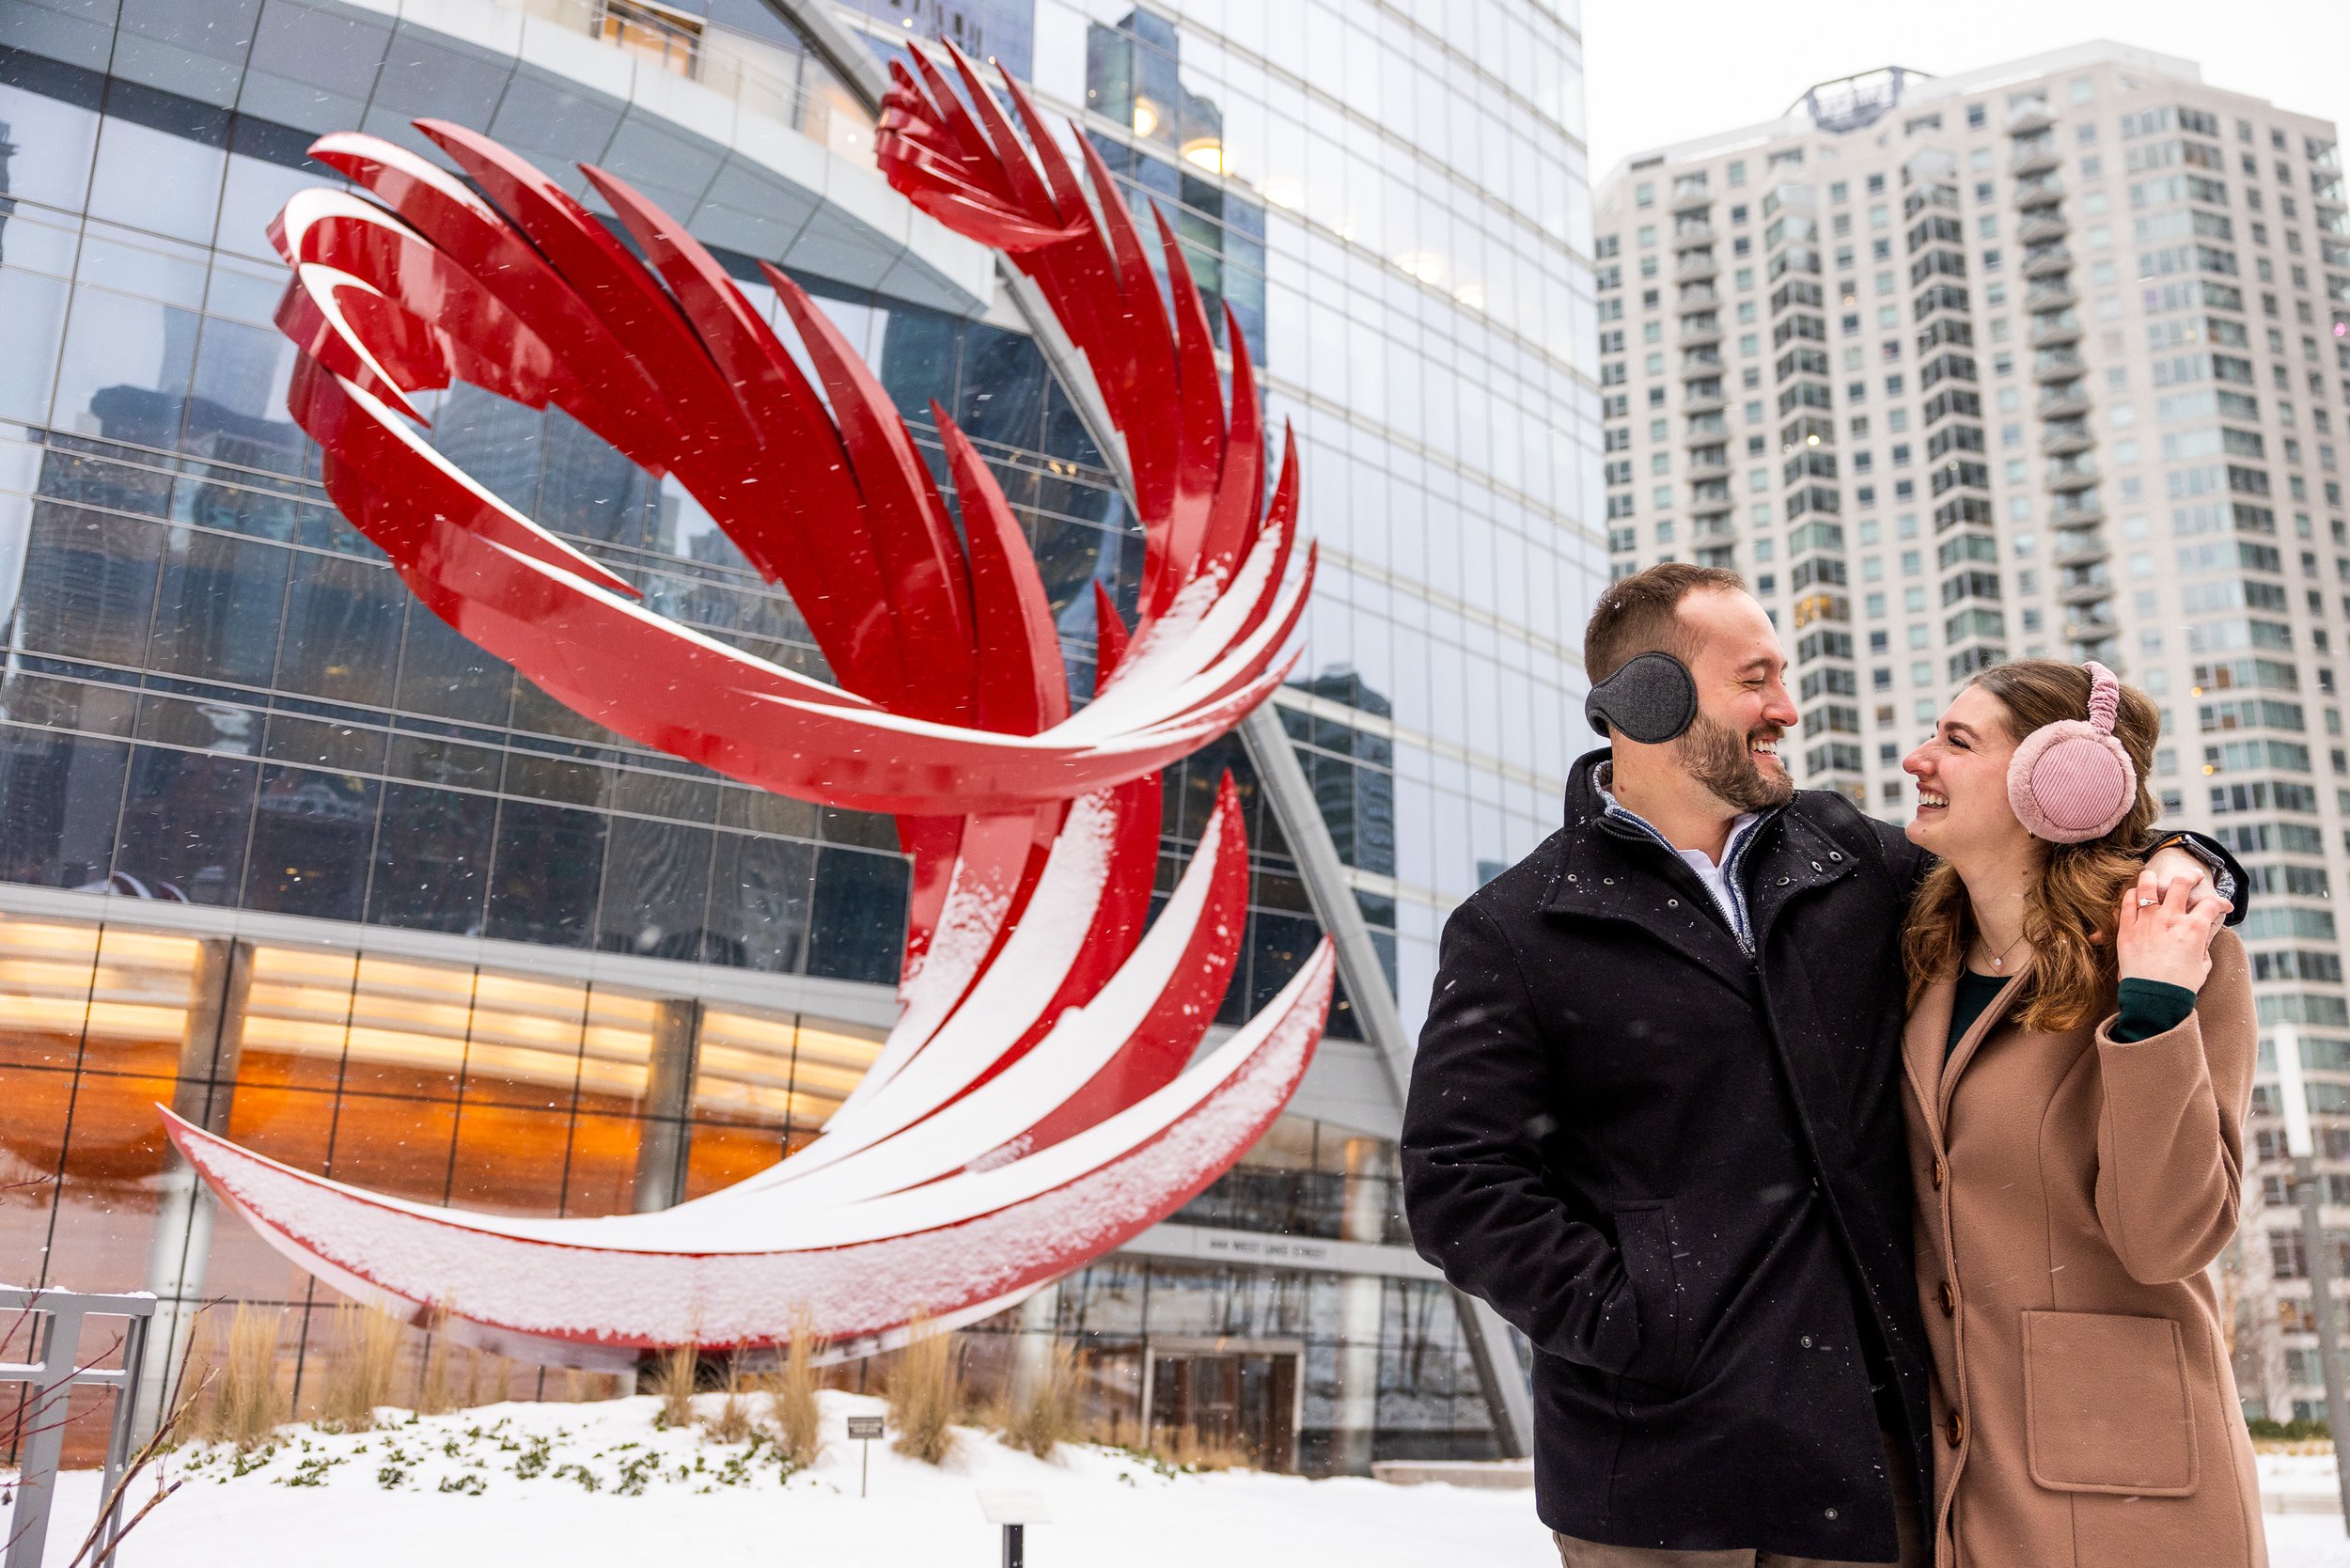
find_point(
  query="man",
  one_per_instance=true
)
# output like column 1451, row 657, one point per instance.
column 1656, row 1121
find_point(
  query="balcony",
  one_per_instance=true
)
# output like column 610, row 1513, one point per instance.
column 2072, row 472
column 2055, row 294
column 2064, row 437
column 1698, row 297
column 2055, row 329
column 1696, row 266
column 1715, row 532
column 2041, row 190
column 2076, row 512
column 2093, row 624
column 1709, row 463
column 2044, row 227
column 1698, row 332
column 2028, row 117
column 2086, row 549
column 1711, row 501
column 1704, row 397
column 1706, row 429
column 1700, row 364
column 2046, row 261
column 1690, row 194
column 2037, row 156
column 2063, row 402
column 2085, row 584
column 2057, row 365
column 1692, row 232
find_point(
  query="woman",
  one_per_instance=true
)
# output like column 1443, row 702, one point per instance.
column 2080, row 1056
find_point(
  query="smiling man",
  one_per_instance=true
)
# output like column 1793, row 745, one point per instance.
column 1655, row 1121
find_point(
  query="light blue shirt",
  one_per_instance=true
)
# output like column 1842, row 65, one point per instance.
column 1720, row 880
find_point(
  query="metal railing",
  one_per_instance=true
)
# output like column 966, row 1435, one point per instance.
column 55, row 1371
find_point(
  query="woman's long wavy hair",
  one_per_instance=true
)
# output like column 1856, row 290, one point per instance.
column 2069, row 914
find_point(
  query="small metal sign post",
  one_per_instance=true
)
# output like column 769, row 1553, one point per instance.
column 2301, row 1144
column 1016, row 1511
column 864, row 1429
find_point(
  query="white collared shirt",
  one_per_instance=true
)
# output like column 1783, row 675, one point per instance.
column 1719, row 879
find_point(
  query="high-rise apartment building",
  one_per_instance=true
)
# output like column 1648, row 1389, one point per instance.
column 2045, row 359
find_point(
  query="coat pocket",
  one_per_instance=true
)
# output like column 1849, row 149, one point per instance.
column 2105, row 1404
column 1645, row 1241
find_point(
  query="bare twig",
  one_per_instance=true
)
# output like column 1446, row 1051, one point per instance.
column 148, row 1453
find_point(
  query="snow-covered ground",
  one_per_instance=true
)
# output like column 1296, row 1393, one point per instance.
column 598, row 1486
column 601, row 1486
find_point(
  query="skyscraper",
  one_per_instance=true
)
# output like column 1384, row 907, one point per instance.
column 2047, row 358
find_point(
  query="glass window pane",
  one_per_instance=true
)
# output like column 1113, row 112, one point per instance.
column 656, row 889
column 152, row 180
column 860, row 916
column 760, row 899
column 549, row 864
column 312, row 835
column 184, row 823
column 34, row 308
column 51, row 136
column 59, row 795
column 342, row 630
column 217, row 613
column 431, row 859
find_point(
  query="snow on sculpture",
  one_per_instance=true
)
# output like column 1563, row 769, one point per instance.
column 1031, row 1109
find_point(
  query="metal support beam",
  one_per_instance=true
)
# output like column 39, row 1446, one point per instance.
column 663, row 1141
column 212, row 1045
column 838, row 46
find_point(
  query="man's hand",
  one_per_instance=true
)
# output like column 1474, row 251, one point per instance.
column 2174, row 865
column 2161, row 938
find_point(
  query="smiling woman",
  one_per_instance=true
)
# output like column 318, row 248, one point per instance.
column 2079, row 1053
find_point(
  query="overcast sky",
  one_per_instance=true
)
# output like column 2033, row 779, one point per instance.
column 1664, row 70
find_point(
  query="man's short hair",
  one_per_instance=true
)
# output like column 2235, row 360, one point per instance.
column 1641, row 613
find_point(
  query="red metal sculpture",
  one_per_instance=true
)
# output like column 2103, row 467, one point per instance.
column 1031, row 1108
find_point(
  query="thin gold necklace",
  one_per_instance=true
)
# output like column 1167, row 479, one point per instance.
column 1999, row 963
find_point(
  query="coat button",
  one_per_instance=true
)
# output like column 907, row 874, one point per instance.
column 1815, row 866
column 1831, row 1513
column 1609, row 880
column 1950, row 1300
column 1939, row 1175
column 1785, row 880
column 1672, row 904
column 1956, row 1429
column 1836, row 855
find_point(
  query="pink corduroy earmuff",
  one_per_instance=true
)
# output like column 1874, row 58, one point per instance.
column 2071, row 781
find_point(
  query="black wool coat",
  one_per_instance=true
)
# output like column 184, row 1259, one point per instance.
column 1679, row 1168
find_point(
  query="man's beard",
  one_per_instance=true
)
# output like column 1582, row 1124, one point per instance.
column 1720, row 758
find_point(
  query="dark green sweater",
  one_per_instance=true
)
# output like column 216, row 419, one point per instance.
column 2147, row 1008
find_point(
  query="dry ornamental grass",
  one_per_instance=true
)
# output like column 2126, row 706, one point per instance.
column 1045, row 1411
column 925, row 1393
column 792, row 1402
column 245, row 1406
column 673, row 1379
column 359, row 1374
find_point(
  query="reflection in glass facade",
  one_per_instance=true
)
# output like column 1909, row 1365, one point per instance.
column 279, row 848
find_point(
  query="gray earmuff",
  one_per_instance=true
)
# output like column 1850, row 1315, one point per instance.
column 1651, row 699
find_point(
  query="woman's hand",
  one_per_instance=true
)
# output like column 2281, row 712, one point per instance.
column 2161, row 938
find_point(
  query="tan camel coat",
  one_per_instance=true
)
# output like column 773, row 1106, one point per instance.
column 2071, row 1193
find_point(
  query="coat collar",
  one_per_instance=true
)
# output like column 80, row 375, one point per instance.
column 1931, row 1064
column 1610, row 870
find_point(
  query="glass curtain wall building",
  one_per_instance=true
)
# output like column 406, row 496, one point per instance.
column 280, row 849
